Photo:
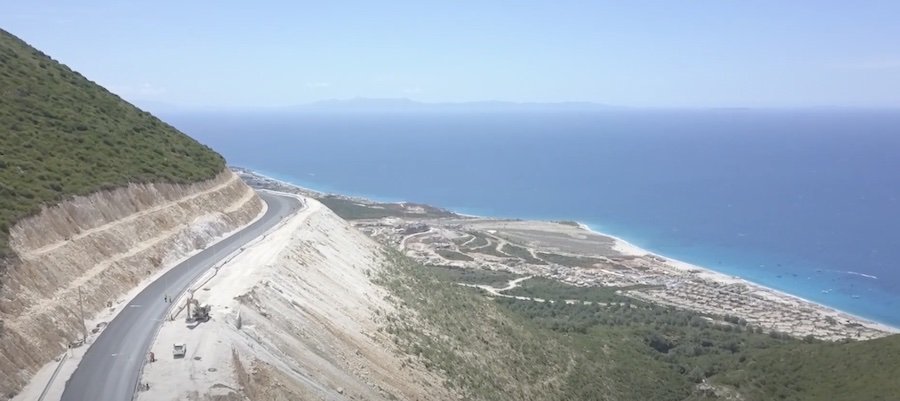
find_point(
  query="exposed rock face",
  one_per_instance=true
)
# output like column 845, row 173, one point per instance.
column 103, row 244
column 303, row 320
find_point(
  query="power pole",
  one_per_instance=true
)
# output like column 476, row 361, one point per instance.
column 83, row 324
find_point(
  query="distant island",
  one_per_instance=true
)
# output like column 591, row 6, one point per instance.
column 362, row 104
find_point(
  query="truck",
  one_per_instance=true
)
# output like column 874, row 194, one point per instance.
column 179, row 350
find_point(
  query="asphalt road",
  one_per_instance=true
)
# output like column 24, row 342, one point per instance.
column 110, row 368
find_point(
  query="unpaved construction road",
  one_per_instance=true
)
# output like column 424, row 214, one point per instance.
column 111, row 367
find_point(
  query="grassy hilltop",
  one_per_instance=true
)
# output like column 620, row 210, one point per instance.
column 63, row 135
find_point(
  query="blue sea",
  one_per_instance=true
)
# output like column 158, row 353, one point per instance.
column 807, row 202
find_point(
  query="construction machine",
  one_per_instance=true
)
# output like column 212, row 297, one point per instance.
column 197, row 312
column 179, row 350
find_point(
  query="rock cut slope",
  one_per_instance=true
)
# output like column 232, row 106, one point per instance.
column 95, row 196
column 74, row 252
column 294, row 317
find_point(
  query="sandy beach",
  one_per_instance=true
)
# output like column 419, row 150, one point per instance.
column 631, row 249
column 573, row 253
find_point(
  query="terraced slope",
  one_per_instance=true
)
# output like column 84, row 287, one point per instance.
column 63, row 135
column 96, row 197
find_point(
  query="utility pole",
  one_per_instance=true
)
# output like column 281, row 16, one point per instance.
column 83, row 324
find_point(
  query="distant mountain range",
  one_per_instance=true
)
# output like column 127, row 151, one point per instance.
column 404, row 104
column 386, row 105
column 400, row 105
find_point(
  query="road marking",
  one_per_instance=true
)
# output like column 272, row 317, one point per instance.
column 134, row 306
column 114, row 355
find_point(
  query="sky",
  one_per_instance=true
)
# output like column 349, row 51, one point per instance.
column 257, row 54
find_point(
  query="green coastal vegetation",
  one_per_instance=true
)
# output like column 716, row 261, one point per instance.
column 64, row 135
column 450, row 254
column 544, row 288
column 489, row 249
column 350, row 209
column 477, row 240
column 521, row 253
column 493, row 278
column 621, row 349
column 570, row 261
column 569, row 223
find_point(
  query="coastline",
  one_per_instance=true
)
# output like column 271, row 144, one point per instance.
column 627, row 248
column 630, row 249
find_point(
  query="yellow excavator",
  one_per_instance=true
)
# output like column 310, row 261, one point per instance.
column 196, row 311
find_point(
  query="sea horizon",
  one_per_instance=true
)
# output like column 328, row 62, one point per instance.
column 778, row 209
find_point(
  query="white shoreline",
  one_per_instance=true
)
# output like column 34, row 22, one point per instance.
column 628, row 248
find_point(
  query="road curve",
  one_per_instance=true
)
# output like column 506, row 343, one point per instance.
column 110, row 368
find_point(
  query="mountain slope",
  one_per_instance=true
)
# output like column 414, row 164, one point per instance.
column 506, row 349
column 865, row 370
column 63, row 135
column 96, row 198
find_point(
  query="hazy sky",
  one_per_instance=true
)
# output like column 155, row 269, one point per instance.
column 689, row 53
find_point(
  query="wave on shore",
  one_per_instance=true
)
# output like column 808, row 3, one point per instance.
column 626, row 247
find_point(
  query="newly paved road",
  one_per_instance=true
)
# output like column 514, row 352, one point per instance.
column 109, row 370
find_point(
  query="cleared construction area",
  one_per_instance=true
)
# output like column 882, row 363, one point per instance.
column 294, row 316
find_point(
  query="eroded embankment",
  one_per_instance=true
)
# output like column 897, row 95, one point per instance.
column 102, row 245
column 296, row 316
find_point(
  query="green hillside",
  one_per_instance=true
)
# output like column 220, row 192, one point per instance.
column 64, row 135
column 619, row 350
column 865, row 371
